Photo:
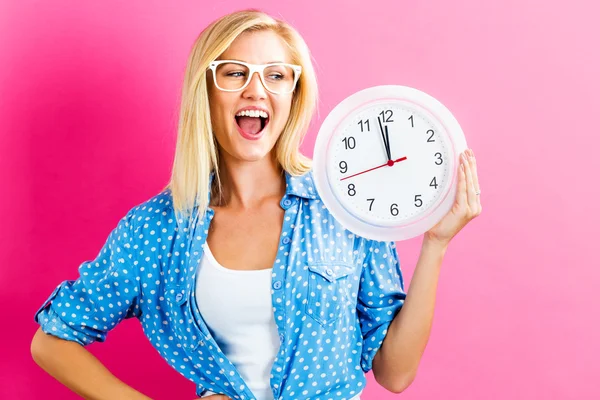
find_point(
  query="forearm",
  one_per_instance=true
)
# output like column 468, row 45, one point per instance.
column 78, row 369
column 395, row 364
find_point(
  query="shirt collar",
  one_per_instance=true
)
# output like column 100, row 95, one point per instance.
column 301, row 186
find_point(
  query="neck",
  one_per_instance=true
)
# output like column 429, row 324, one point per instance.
column 248, row 185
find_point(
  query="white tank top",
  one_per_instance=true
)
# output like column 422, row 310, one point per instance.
column 236, row 306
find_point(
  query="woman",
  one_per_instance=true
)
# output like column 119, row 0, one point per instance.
column 240, row 277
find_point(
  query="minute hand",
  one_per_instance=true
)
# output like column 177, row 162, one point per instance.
column 386, row 144
column 387, row 164
column 389, row 148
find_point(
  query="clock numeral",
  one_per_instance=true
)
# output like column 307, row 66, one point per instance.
column 370, row 205
column 439, row 155
column 386, row 115
column 433, row 183
column 412, row 122
column 351, row 189
column 350, row 142
column 343, row 167
column 394, row 209
column 418, row 201
column 429, row 139
column 363, row 124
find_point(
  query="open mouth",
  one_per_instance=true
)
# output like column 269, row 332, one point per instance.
column 252, row 122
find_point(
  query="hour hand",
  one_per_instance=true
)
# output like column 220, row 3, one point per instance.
column 389, row 148
column 385, row 142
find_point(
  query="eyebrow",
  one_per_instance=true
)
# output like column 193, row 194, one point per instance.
column 270, row 62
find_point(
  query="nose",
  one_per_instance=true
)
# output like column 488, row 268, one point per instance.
column 255, row 88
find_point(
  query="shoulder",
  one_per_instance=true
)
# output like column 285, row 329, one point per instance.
column 317, row 212
column 302, row 185
column 155, row 215
column 306, row 184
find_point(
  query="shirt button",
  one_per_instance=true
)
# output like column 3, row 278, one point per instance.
column 178, row 297
column 329, row 271
column 277, row 285
column 286, row 240
column 201, row 343
column 287, row 202
column 281, row 337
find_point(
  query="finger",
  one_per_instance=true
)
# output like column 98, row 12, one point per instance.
column 471, row 196
column 461, row 189
column 473, row 164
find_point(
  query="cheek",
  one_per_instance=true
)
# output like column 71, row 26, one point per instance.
column 283, row 112
column 218, row 106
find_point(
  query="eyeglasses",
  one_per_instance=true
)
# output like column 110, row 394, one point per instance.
column 232, row 76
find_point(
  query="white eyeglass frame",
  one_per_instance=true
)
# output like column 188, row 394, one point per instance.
column 260, row 68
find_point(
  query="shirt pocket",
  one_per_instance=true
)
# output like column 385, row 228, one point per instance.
column 327, row 294
column 181, row 318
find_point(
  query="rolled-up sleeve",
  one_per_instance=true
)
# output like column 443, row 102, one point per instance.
column 381, row 295
column 106, row 292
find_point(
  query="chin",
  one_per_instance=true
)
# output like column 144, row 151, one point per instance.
column 253, row 150
column 247, row 154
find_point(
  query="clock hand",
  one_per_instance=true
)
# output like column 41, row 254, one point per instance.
column 385, row 142
column 389, row 148
column 389, row 163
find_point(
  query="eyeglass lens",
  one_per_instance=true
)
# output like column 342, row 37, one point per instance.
column 277, row 78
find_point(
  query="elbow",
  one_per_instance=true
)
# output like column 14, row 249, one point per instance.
column 37, row 346
column 397, row 385
column 402, row 384
column 44, row 347
column 392, row 379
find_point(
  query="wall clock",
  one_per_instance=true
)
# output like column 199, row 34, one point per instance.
column 386, row 162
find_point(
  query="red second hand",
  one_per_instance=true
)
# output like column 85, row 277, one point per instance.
column 389, row 163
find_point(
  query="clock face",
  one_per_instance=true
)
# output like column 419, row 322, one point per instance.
column 386, row 162
column 396, row 186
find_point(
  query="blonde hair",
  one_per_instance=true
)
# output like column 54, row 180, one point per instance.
column 196, row 152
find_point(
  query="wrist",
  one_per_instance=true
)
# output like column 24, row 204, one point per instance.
column 434, row 243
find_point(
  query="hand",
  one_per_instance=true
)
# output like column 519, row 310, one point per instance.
column 389, row 148
column 386, row 140
column 467, row 205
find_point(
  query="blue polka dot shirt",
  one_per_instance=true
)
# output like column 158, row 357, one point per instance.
column 334, row 295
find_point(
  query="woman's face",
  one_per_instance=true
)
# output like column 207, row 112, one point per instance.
column 260, row 47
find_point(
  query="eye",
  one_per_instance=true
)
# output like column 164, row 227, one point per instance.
column 236, row 74
column 276, row 76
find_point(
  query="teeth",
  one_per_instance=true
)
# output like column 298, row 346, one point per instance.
column 252, row 113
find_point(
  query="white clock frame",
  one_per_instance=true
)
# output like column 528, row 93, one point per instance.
column 436, row 112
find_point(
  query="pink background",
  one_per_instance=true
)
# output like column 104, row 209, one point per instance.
column 88, row 105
